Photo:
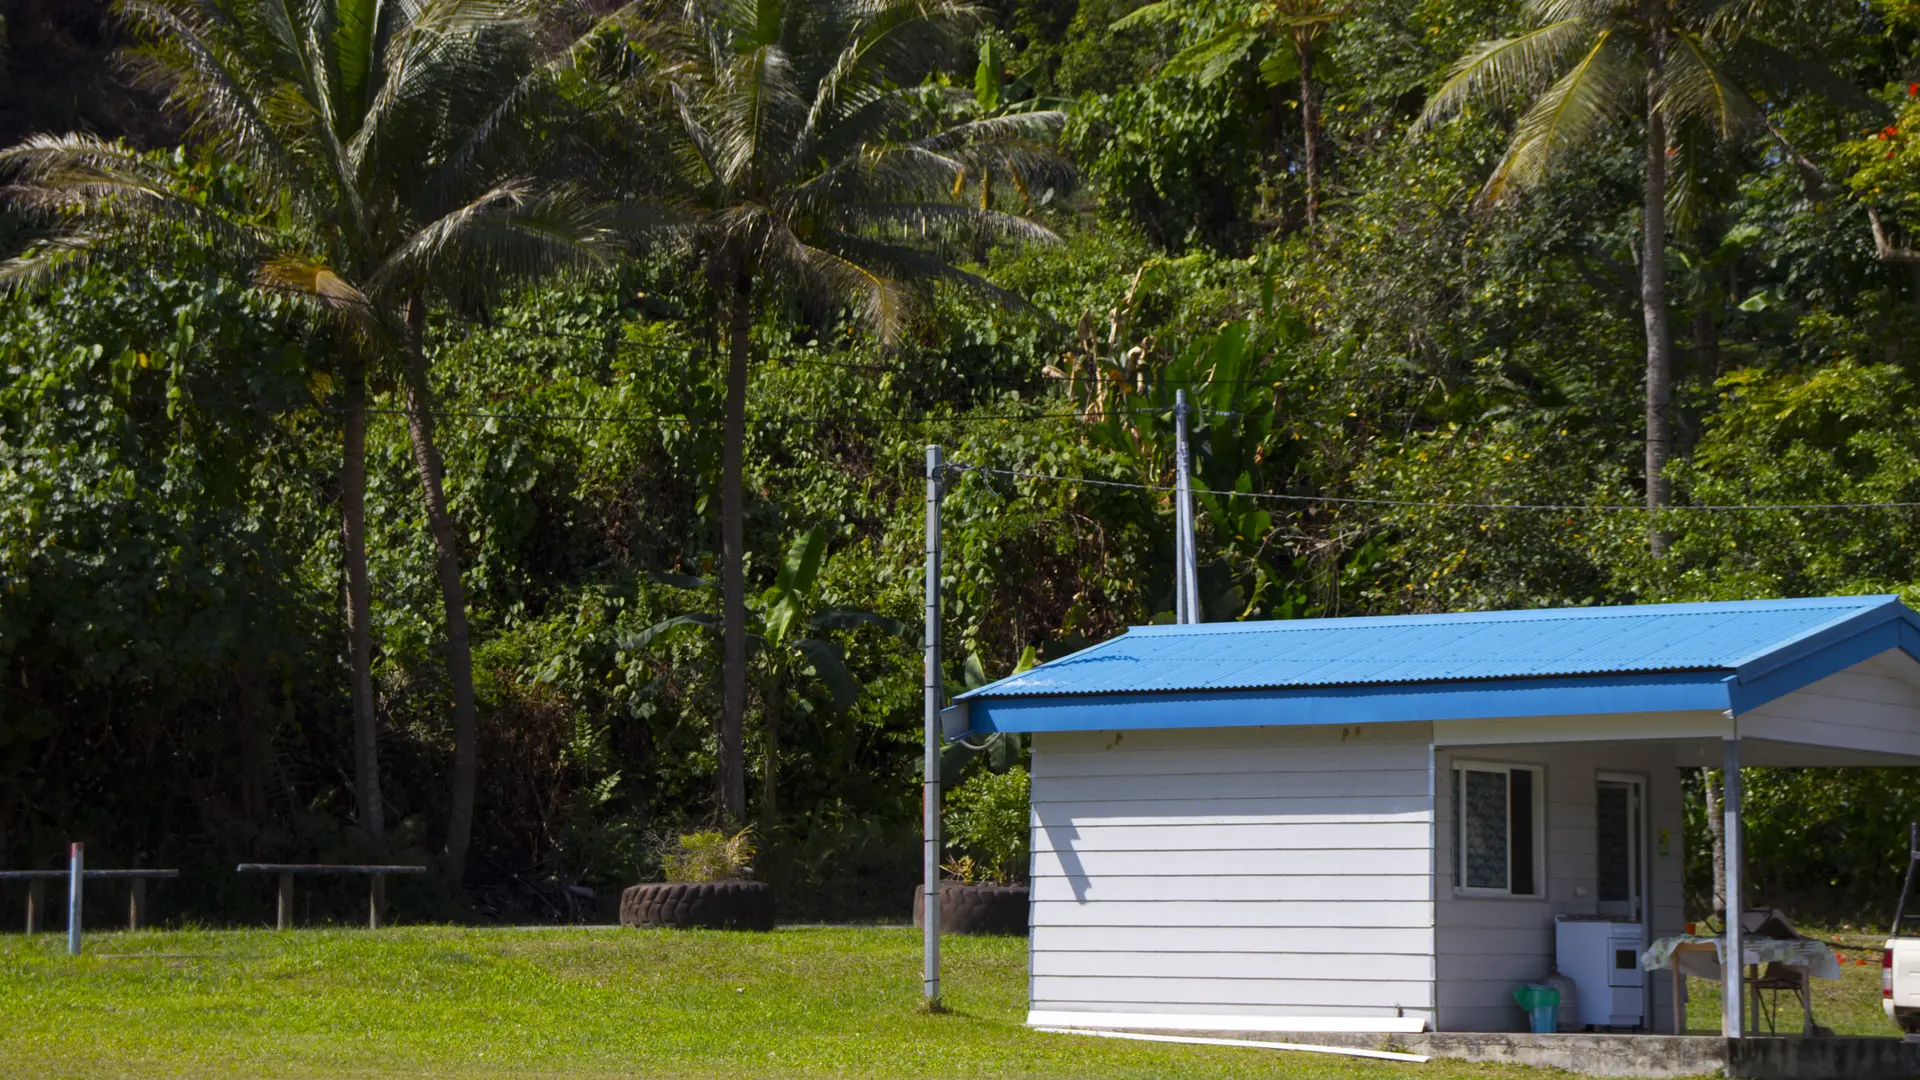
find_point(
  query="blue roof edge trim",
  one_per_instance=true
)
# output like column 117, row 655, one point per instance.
column 1370, row 704
column 1887, row 609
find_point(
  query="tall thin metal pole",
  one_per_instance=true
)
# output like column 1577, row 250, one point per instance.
column 930, row 769
column 1731, row 1004
column 76, row 876
column 1187, row 582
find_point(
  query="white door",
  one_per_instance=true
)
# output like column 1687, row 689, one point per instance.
column 1620, row 813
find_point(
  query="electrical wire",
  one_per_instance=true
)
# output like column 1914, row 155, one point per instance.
column 1433, row 505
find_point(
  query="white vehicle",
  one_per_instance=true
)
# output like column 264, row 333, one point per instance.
column 1900, row 963
column 1900, row 983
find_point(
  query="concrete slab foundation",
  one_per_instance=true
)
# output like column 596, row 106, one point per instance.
column 1656, row 1057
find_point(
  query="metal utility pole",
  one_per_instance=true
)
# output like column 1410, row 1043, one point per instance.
column 930, row 770
column 1186, row 587
column 76, row 877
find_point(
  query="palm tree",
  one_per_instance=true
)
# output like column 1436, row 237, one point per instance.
column 1589, row 64
column 384, row 149
column 798, row 176
column 1300, row 23
column 775, row 619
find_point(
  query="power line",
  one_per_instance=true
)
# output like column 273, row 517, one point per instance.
column 906, row 420
column 1416, row 503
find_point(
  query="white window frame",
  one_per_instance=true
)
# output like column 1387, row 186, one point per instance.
column 1457, row 792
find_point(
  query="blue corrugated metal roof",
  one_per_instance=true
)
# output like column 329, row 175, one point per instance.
column 1745, row 639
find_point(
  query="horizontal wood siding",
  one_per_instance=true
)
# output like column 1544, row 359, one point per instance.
column 1246, row 871
column 1486, row 947
column 1872, row 706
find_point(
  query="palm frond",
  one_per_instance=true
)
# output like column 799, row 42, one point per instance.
column 1158, row 13
column 1697, row 90
column 1596, row 90
column 207, row 79
column 1505, row 68
column 512, row 231
column 316, row 286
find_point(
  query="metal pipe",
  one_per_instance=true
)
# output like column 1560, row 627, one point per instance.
column 76, row 877
column 1732, row 1024
column 1187, row 581
column 930, row 767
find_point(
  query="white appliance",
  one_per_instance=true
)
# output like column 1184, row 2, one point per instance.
column 1602, row 957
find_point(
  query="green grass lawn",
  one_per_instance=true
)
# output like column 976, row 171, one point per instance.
column 449, row 1002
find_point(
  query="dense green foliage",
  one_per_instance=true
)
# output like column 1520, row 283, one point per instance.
column 174, row 667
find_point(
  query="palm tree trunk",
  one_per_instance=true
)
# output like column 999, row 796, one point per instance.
column 446, row 563
column 730, row 785
column 353, row 542
column 1310, row 128
column 1653, row 304
column 770, row 777
column 1717, row 829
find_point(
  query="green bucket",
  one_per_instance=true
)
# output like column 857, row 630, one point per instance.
column 1541, row 1004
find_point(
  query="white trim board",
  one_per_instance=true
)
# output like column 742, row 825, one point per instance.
column 1383, row 1055
column 1369, row 1025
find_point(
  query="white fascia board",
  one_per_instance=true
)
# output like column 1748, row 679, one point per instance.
column 1369, row 1025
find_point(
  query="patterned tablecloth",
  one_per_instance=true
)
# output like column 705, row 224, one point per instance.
column 1814, row 957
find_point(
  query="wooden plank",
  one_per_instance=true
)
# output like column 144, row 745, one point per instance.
column 137, row 903
column 1176, row 837
column 1326, row 993
column 1515, row 915
column 283, row 906
column 1374, row 940
column 36, row 906
column 1301, row 913
column 1099, row 888
column 1178, row 1017
column 1230, row 810
column 1204, row 760
column 1832, row 735
column 1316, row 863
column 1237, row 783
column 1365, row 967
column 1290, row 737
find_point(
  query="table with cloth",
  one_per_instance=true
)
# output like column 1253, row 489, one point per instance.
column 1702, row 957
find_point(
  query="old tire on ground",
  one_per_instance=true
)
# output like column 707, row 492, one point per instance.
column 976, row 909
column 713, row 905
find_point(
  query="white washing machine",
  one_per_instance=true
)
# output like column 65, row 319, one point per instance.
column 1602, row 957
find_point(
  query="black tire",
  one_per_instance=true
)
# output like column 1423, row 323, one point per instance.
column 711, row 905
column 976, row 909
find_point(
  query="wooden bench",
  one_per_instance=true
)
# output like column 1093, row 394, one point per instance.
column 376, row 891
column 37, row 891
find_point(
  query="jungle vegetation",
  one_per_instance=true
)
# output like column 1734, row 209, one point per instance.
column 492, row 433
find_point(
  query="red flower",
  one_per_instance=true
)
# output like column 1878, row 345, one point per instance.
column 1913, row 89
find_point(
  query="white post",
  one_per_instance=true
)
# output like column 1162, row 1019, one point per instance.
column 76, row 875
column 1731, row 985
column 1186, row 606
column 930, row 769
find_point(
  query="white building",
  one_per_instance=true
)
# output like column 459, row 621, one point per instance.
column 1372, row 824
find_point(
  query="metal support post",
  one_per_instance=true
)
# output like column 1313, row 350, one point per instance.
column 76, row 878
column 36, row 906
column 1186, row 606
column 1731, row 1021
column 283, row 910
column 930, row 769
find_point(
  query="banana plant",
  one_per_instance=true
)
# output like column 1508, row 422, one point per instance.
column 1002, row 749
column 780, row 653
